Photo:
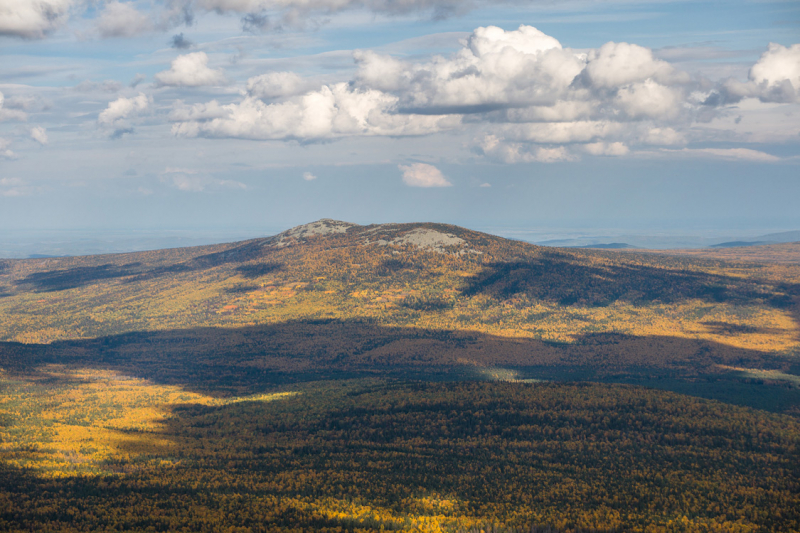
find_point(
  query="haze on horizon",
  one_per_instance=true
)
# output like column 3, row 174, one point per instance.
column 254, row 116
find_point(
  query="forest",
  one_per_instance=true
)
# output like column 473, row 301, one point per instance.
column 117, row 453
column 408, row 377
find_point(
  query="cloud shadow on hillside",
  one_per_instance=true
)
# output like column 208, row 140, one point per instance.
column 565, row 279
column 59, row 280
column 235, row 361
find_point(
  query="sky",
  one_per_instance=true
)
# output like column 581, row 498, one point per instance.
column 253, row 116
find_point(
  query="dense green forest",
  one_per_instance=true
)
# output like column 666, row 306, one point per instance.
column 415, row 377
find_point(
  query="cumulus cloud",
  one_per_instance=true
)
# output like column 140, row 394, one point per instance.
column 527, row 97
column 777, row 65
column 663, row 137
column 10, row 114
column 423, row 175
column 332, row 111
column 123, row 108
column 39, row 134
column 601, row 148
column 523, row 82
column 276, row 85
column 197, row 112
column 33, row 19
column 495, row 69
column 618, row 64
column 502, row 151
column 308, row 176
column 774, row 78
column 122, row 20
column 649, row 99
column 190, row 70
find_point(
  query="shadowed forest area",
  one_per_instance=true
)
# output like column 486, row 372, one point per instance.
column 235, row 361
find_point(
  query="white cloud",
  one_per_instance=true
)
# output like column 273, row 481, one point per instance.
column 190, row 70
column 276, row 85
column 663, row 137
column 502, row 151
column 649, row 99
column 330, row 112
column 308, row 176
column 423, row 175
column 495, row 69
column 617, row 64
column 562, row 132
column 775, row 77
column 183, row 113
column 778, row 64
column 33, row 19
column 601, row 148
column 39, row 134
column 122, row 20
column 123, row 108
column 528, row 97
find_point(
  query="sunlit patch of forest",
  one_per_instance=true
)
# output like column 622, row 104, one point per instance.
column 89, row 451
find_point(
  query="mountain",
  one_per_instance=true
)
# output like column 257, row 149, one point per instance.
column 665, row 242
column 736, row 244
column 608, row 246
column 409, row 377
column 772, row 238
column 784, row 236
column 482, row 301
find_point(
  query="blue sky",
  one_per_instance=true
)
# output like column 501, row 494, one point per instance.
column 234, row 115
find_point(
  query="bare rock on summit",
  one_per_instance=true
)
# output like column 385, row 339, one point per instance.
column 325, row 226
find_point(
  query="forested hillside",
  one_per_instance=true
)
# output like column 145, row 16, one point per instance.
column 416, row 377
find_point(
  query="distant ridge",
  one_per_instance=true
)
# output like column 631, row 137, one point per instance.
column 608, row 246
column 784, row 236
column 736, row 244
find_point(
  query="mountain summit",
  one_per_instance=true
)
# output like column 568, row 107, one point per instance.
column 440, row 238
